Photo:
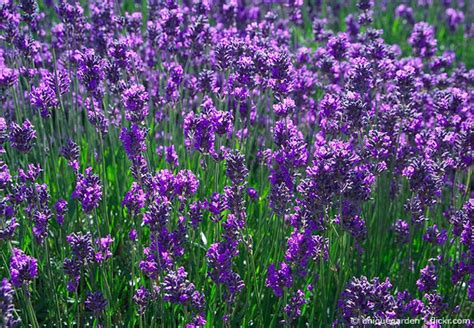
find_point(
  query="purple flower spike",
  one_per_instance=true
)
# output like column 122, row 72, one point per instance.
column 402, row 231
column 135, row 199
column 43, row 98
column 303, row 247
column 177, row 289
column 423, row 40
column 88, row 190
column 90, row 70
column 7, row 305
column 60, row 208
column 454, row 18
column 293, row 308
column 104, row 252
column 253, row 194
column 23, row 268
column 22, row 137
column 135, row 101
column 428, row 279
column 363, row 298
column 279, row 279
column 132, row 235
column 81, row 255
column 236, row 169
column 141, row 298
column 435, row 236
column 96, row 303
column 134, row 140
column 70, row 151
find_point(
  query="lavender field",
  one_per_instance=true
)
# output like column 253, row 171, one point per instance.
column 236, row 163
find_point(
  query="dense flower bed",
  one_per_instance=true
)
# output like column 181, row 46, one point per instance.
column 232, row 163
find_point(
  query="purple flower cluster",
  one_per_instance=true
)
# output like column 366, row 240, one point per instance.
column 462, row 222
column 135, row 100
column 22, row 137
column 279, row 279
column 177, row 289
column 96, row 303
column 9, row 222
column 7, row 305
column 201, row 129
column 401, row 229
column 220, row 255
column 423, row 40
column 24, row 190
column 375, row 299
column 83, row 253
column 90, row 70
column 70, row 151
column 363, row 298
column 454, row 18
column 153, row 198
column 293, row 308
column 303, row 247
column 23, row 268
column 88, row 190
column 142, row 298
column 135, row 198
column 133, row 140
column 61, row 208
column 338, row 146
column 428, row 279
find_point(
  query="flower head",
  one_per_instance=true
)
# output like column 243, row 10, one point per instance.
column 279, row 279
column 90, row 69
column 423, row 40
column 134, row 140
column 7, row 305
column 60, row 207
column 296, row 302
column 236, row 169
column 96, row 303
column 70, row 151
column 88, row 190
column 22, row 137
column 402, row 231
column 363, row 298
column 23, row 268
column 428, row 279
column 135, row 100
